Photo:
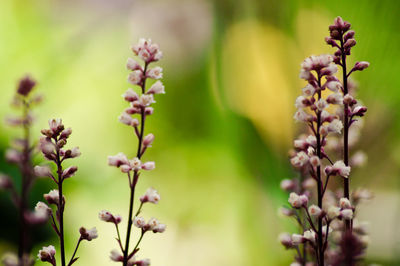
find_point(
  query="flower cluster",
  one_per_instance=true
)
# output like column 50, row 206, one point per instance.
column 52, row 146
column 328, row 108
column 20, row 153
column 140, row 107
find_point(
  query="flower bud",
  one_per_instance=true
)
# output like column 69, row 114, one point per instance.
column 148, row 140
column 155, row 73
column 361, row 65
column 5, row 181
column 148, row 166
column 346, row 214
column 131, row 64
column 288, row 185
column 344, row 203
column 88, row 234
column 47, row 254
column 151, row 195
column 52, row 197
column 297, row 239
column 286, row 240
column 139, row 222
column 66, row 133
column 70, row 171
column 314, row 210
column 106, row 216
column 42, row 171
column 349, row 43
column 135, row 77
column 156, row 88
column 130, row 96
column 25, row 86
column 116, row 256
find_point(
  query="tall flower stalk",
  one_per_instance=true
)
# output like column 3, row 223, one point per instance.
column 325, row 102
column 21, row 154
column 52, row 145
column 140, row 105
column 342, row 38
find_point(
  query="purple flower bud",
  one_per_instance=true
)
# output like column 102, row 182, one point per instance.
column 70, row 171
column 349, row 35
column 359, row 111
column 5, row 182
column 349, row 43
column 25, row 86
column 361, row 65
column 66, row 133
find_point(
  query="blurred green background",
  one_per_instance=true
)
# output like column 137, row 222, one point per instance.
column 222, row 130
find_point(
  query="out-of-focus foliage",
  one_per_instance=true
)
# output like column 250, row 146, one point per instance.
column 223, row 128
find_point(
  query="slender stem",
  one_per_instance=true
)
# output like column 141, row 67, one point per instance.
column 310, row 220
column 326, row 185
column 60, row 206
column 119, row 238
column 319, row 182
column 140, row 209
column 346, row 182
column 136, row 174
column 76, row 249
column 137, row 244
column 26, row 176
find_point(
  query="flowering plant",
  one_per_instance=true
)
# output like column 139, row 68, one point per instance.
column 140, row 104
column 52, row 145
column 329, row 233
column 21, row 154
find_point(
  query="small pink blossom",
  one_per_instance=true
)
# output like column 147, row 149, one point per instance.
column 157, row 88
column 151, row 195
column 155, row 73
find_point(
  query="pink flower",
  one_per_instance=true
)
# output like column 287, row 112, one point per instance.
column 154, row 73
column 131, row 64
column 139, row 222
column 118, row 160
column 151, row 195
column 148, row 140
column 130, row 96
column 314, row 210
column 297, row 201
column 116, row 255
column 135, row 77
column 47, row 254
column 88, row 234
column 41, row 171
column 148, row 166
column 52, row 197
column 157, row 88
column 341, row 169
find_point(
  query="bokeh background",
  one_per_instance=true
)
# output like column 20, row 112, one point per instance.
column 222, row 130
